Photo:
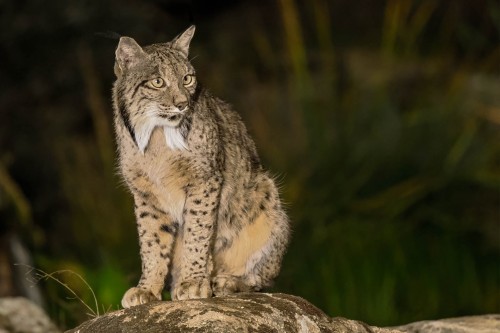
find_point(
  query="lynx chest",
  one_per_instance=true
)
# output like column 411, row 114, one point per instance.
column 160, row 175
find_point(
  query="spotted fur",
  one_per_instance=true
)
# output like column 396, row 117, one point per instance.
column 208, row 215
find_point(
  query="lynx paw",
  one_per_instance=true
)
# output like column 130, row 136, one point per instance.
column 191, row 289
column 136, row 296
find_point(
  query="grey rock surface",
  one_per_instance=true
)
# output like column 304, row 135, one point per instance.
column 251, row 312
column 470, row 324
column 19, row 315
column 259, row 312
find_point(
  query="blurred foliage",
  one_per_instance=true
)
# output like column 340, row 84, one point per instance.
column 380, row 118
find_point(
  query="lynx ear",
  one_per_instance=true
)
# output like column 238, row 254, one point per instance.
column 128, row 54
column 181, row 42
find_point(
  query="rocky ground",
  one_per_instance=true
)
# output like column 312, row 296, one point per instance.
column 252, row 312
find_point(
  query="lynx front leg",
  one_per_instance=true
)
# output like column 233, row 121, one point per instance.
column 199, row 223
column 157, row 230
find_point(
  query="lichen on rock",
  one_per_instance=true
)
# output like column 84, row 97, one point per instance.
column 260, row 313
column 248, row 312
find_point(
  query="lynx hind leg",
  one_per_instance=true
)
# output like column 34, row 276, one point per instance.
column 264, row 265
column 254, row 257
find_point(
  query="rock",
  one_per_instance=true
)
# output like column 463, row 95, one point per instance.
column 259, row 312
column 19, row 315
column 249, row 312
column 471, row 324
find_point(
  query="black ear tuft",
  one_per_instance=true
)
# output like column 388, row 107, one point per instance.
column 108, row 34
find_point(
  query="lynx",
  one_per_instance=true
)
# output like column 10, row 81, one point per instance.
column 209, row 217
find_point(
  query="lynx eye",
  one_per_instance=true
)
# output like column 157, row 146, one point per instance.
column 188, row 80
column 157, row 83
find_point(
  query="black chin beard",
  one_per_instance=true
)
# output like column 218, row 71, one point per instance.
column 123, row 112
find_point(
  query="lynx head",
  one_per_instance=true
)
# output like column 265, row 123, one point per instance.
column 155, row 86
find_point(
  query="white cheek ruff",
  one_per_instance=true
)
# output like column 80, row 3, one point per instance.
column 146, row 124
column 174, row 138
column 143, row 133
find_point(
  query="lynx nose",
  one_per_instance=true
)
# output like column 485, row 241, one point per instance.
column 181, row 105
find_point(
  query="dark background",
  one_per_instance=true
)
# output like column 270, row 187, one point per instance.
column 380, row 120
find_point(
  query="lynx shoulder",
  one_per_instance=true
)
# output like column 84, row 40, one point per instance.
column 209, row 217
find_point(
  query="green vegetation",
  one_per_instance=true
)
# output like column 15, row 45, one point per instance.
column 396, row 200
column 383, row 129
